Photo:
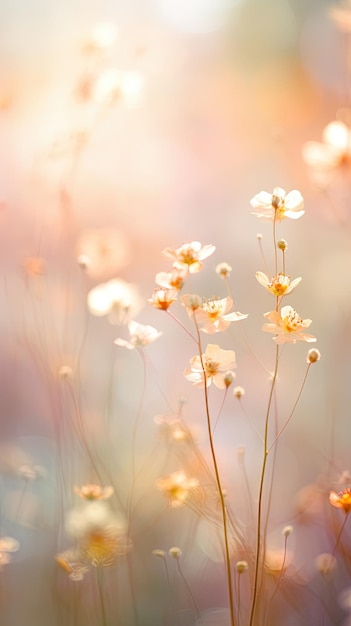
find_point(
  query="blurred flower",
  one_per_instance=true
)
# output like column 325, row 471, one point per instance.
column 241, row 566
column 175, row 552
column 214, row 314
column 325, row 563
column 113, row 85
column 192, row 303
column 117, row 299
column 90, row 491
column 223, row 270
column 31, row 472
column 102, row 37
column 216, row 362
column 288, row 326
column 177, row 488
column 276, row 562
column 278, row 205
column 102, row 252
column 238, row 392
column 279, row 285
column 341, row 15
column 189, row 256
column 34, row 266
column 7, row 545
column 171, row 428
column 70, row 562
column 163, row 298
column 335, row 147
column 341, row 500
column 171, row 280
column 140, row 336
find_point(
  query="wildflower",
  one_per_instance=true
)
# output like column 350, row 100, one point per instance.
column 341, row 500
column 214, row 314
column 140, row 336
column 175, row 552
column 313, row 356
column 325, row 563
column 287, row 530
column 241, row 566
column 279, row 285
column 163, row 298
column 70, row 562
column 238, row 392
column 171, row 280
column 7, row 546
column 189, row 256
column 91, row 491
column 228, row 378
column 278, row 205
column 117, row 299
column 31, row 472
column 192, row 303
column 332, row 151
column 113, row 85
column 223, row 270
column 177, row 488
column 102, row 252
column 288, row 326
column 34, row 266
column 215, row 364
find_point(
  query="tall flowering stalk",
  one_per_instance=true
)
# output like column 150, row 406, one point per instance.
column 287, row 327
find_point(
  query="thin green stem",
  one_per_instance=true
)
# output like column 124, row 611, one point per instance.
column 219, row 484
column 260, row 494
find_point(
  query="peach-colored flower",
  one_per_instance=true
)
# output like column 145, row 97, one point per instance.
column 214, row 314
column 332, row 151
column 278, row 205
column 171, row 280
column 117, row 299
column 288, row 326
column 216, row 362
column 341, row 16
column 140, row 336
column 279, row 285
column 341, row 500
column 177, row 488
column 91, row 491
column 163, row 298
column 102, row 251
column 189, row 256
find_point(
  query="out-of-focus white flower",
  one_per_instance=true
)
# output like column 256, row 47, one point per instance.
column 140, row 336
column 189, row 256
column 335, row 147
column 102, row 37
column 278, row 205
column 163, row 298
column 117, row 299
column 177, row 488
column 91, row 491
column 215, row 317
column 102, row 251
column 114, row 85
column 171, row 280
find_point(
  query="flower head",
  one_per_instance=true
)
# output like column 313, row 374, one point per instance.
column 140, row 336
column 279, row 285
column 223, row 270
column 90, row 491
column 177, row 488
column 189, row 256
column 117, row 299
column 341, row 500
column 102, row 252
column 332, row 151
column 288, row 326
column 216, row 365
column 278, row 205
column 214, row 315
column 163, row 298
column 171, row 280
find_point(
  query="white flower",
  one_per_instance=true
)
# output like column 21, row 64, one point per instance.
column 216, row 365
column 278, row 205
column 117, row 299
column 140, row 336
column 279, row 285
column 189, row 256
column 288, row 326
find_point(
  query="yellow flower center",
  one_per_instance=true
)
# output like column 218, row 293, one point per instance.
column 211, row 368
column 291, row 322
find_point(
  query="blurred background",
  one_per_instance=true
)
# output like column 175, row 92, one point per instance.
column 126, row 128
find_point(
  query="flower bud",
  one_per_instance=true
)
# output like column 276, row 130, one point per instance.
column 313, row 355
column 282, row 245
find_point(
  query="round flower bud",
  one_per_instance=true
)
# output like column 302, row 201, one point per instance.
column 175, row 552
column 282, row 245
column 241, row 566
column 287, row 530
column 159, row 553
column 238, row 392
column 228, row 378
column 259, row 236
column 223, row 270
column 313, row 356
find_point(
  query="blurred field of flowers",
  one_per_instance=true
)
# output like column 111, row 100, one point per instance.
column 175, row 330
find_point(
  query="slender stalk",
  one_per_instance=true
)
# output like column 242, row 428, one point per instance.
column 101, row 596
column 219, row 484
column 340, row 533
column 260, row 494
